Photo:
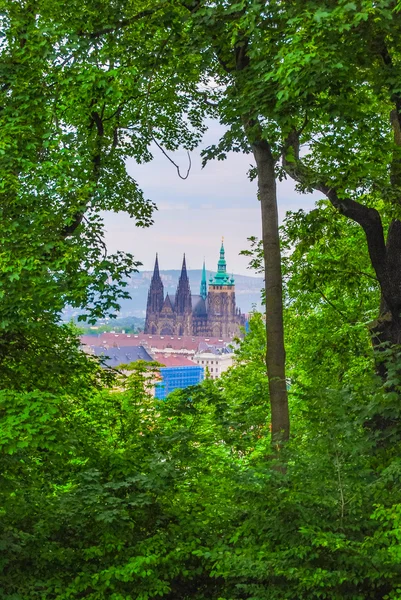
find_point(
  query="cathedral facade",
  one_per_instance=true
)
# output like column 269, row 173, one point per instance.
column 211, row 313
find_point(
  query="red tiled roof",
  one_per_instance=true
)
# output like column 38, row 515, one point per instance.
column 175, row 361
column 160, row 342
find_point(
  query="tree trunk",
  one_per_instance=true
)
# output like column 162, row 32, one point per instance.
column 275, row 355
column 387, row 328
column 385, row 254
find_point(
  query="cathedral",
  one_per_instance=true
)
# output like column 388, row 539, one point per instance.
column 211, row 313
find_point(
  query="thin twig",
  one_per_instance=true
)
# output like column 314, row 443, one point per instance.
column 173, row 163
column 120, row 24
column 340, row 489
column 332, row 305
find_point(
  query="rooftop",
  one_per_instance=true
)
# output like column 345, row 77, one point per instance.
column 159, row 342
column 114, row 357
column 176, row 361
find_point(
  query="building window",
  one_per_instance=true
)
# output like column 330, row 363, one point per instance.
column 211, row 369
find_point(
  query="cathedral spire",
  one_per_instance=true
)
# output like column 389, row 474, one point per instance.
column 156, row 290
column 203, row 285
column 221, row 277
column 156, row 272
column 222, row 265
column 183, row 303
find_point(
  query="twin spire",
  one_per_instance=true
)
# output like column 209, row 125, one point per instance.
column 156, row 273
column 183, row 284
column 183, row 300
column 156, row 290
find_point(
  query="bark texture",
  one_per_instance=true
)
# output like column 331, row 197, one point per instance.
column 275, row 352
column 275, row 355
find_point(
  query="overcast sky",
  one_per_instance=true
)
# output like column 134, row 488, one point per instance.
column 194, row 214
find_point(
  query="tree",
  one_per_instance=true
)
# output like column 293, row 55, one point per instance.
column 347, row 86
column 110, row 493
column 326, row 77
column 232, row 32
column 330, row 294
column 82, row 90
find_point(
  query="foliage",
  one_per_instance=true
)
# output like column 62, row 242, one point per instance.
column 118, row 325
column 245, row 390
column 93, row 493
column 106, row 492
column 83, row 90
column 118, row 495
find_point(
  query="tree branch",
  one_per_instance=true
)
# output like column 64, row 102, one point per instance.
column 368, row 218
column 75, row 223
column 333, row 306
column 120, row 24
column 78, row 217
column 172, row 162
column 395, row 116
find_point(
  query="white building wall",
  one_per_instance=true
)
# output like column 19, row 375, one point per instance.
column 216, row 364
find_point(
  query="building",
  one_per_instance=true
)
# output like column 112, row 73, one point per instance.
column 156, row 345
column 177, row 373
column 114, row 357
column 214, row 360
column 212, row 312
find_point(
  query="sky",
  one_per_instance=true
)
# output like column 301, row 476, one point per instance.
column 194, row 214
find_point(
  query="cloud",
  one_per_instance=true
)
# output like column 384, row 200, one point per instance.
column 172, row 206
column 192, row 215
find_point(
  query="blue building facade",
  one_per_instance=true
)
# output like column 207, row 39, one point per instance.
column 174, row 378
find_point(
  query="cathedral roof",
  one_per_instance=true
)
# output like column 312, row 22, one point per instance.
column 167, row 304
column 199, row 307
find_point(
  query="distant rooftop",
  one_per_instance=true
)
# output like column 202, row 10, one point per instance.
column 213, row 349
column 159, row 342
column 176, row 361
column 114, row 357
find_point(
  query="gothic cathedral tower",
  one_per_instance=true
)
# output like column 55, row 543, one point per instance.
column 222, row 313
column 183, row 304
column 212, row 313
column 155, row 300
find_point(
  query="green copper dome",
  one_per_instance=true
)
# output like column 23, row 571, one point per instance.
column 221, row 277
